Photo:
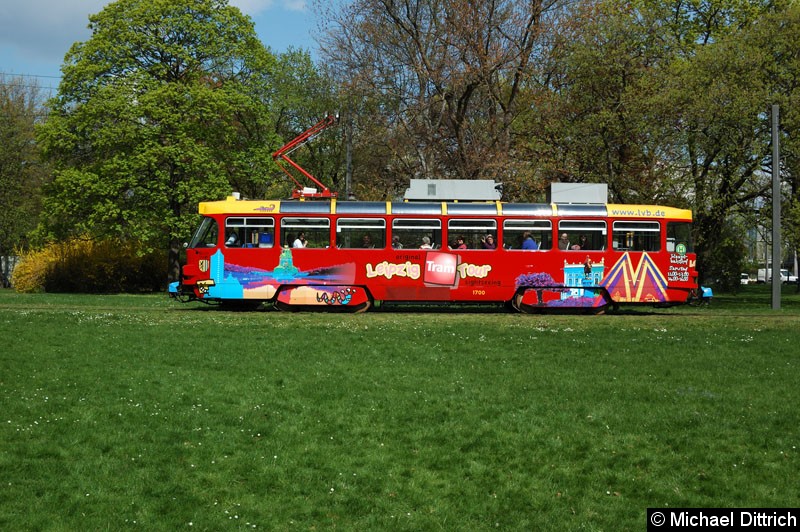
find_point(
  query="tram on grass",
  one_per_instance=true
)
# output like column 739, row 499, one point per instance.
column 350, row 255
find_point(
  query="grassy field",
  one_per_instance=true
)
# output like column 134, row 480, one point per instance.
column 135, row 412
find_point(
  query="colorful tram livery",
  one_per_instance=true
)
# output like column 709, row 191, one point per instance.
column 586, row 256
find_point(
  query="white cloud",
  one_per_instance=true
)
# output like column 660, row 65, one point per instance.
column 295, row 5
column 255, row 7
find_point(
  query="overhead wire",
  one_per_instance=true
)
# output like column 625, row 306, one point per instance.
column 8, row 78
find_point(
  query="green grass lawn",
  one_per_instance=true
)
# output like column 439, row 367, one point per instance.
column 136, row 412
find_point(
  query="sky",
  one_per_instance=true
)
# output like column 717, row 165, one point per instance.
column 35, row 35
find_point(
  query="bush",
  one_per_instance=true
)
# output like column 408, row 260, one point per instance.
column 84, row 265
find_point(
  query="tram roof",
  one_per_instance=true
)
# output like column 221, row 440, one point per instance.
column 231, row 205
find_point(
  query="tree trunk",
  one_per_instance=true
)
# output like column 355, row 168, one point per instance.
column 174, row 261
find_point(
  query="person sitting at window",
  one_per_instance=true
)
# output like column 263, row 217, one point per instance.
column 528, row 242
column 487, row 242
column 233, row 240
column 366, row 242
column 396, row 244
column 426, row 243
column 300, row 241
column 563, row 242
column 460, row 244
column 583, row 243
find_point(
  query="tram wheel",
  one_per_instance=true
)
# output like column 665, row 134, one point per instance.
column 363, row 307
column 526, row 309
column 516, row 302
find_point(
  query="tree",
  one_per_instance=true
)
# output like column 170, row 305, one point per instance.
column 302, row 95
column 435, row 85
column 665, row 102
column 723, row 94
column 777, row 35
column 21, row 171
column 725, row 135
column 596, row 122
column 162, row 107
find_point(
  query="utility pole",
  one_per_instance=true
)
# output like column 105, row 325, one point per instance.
column 776, row 213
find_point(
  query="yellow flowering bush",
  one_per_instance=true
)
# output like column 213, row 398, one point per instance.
column 85, row 265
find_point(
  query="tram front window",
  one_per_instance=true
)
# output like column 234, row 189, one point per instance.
column 679, row 237
column 206, row 234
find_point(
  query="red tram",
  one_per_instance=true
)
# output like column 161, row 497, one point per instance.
column 352, row 254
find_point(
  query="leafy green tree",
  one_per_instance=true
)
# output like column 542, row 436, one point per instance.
column 724, row 134
column 777, row 36
column 665, row 102
column 725, row 91
column 21, row 171
column 435, row 86
column 302, row 95
column 596, row 122
column 162, row 107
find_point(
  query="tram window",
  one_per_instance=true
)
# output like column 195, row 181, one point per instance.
column 360, row 233
column 250, row 232
column 317, row 231
column 679, row 237
column 636, row 236
column 206, row 234
column 540, row 230
column 412, row 233
column 594, row 231
column 474, row 232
